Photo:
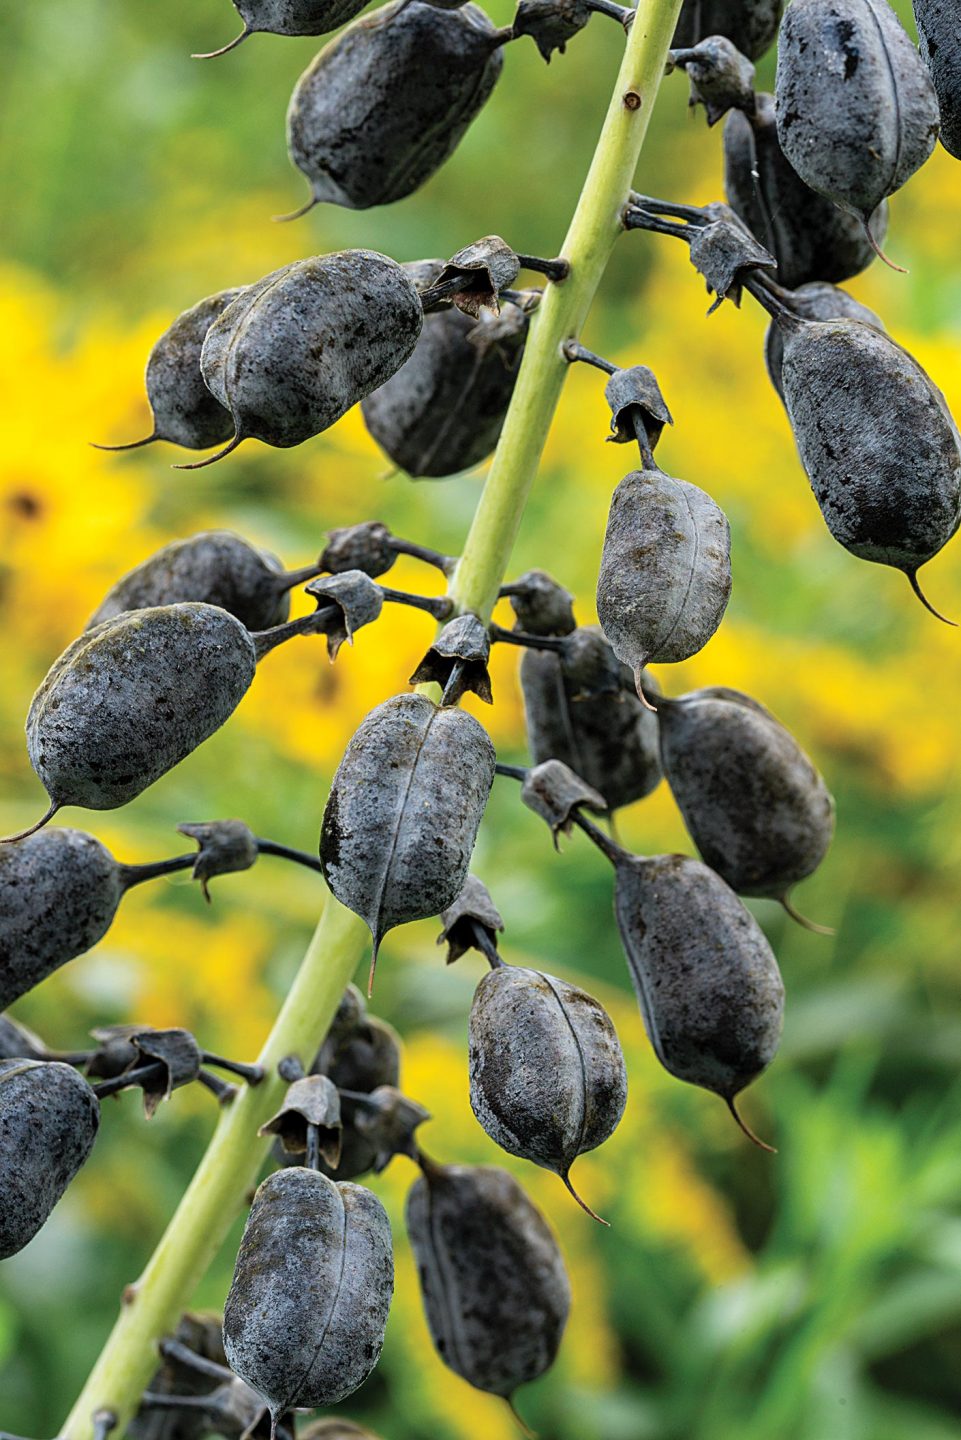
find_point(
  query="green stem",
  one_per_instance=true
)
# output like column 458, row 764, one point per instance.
column 561, row 314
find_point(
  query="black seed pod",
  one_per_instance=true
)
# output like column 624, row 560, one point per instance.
column 184, row 411
column 809, row 236
column 49, row 1118
column 856, row 110
column 754, row 805
column 304, row 1320
column 387, row 1121
column 288, row 17
column 297, row 350
column 875, row 436
column 547, row 1076
column 707, row 983
column 403, row 812
column 665, row 576
column 750, row 24
column 578, row 710
column 542, row 607
column 386, row 103
column 492, row 1278
column 939, row 26
column 368, row 546
column 814, row 302
column 361, row 1052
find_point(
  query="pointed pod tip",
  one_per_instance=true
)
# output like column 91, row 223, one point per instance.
column 231, row 45
column 583, row 1203
column 130, row 445
column 32, row 829
column 900, row 269
column 200, row 464
column 296, row 214
column 803, row 920
column 916, row 587
column 639, row 686
column 525, row 1428
column 746, row 1129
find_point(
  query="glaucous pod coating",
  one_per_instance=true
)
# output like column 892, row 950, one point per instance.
column 939, row 26
column 665, row 576
column 754, row 805
column 577, row 710
column 750, row 24
column 386, row 103
column 856, row 110
column 808, row 235
column 184, row 411
column 49, row 1118
column 443, row 411
column 876, row 439
column 403, row 812
column 492, row 1279
column 297, row 350
column 215, row 567
column 547, row 1077
column 305, row 1316
column 817, row 301
column 131, row 698
column 288, row 17
column 708, row 985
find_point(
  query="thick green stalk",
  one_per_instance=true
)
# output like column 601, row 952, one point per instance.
column 587, row 248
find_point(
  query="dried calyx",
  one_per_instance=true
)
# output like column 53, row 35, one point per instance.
column 159, row 1062
column 457, row 661
column 474, row 278
column 722, row 248
column 199, row 1394
column 472, row 922
column 552, row 23
column 722, row 79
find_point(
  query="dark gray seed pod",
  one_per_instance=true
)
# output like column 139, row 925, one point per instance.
column 131, row 698
column 876, row 439
column 754, row 805
column 750, row 24
column 297, row 350
column 310, row 1102
column 554, row 792
column 939, row 26
column 288, row 17
column 814, row 302
column 577, row 710
column 368, row 546
column 361, row 1056
column 856, row 110
column 635, row 396
column 19, row 1043
column 808, row 235
column 304, row 1320
column 706, row 980
column 386, row 103
column 482, row 270
column 472, row 909
column 403, row 812
column 443, row 411
column 665, row 576
column 727, row 254
column 551, row 23
column 492, row 1279
column 49, row 1118
column 214, row 567
column 184, row 411
column 457, row 661
column 541, row 606
column 722, row 79
column 547, row 1076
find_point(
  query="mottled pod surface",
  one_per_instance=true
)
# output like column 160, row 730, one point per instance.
column 403, row 811
column 939, row 26
column 814, row 302
column 665, row 576
column 297, row 350
column 876, row 438
column 706, row 980
column 750, row 24
column 296, row 17
column 856, row 110
column 215, row 567
column 754, row 805
column 493, row 1281
column 132, row 697
column 49, row 1118
column 547, row 1076
column 59, row 892
column 809, row 236
column 305, row 1316
column 184, row 411
column 386, row 103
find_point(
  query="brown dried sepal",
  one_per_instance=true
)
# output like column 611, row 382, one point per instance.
column 457, row 661
column 473, row 907
column 312, row 1101
column 554, row 792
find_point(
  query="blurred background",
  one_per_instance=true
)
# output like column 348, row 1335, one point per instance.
column 815, row 1295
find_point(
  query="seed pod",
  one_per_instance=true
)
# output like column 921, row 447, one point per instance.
column 369, row 546
column 542, row 607
column 386, row 103
column 443, row 411
column 184, row 411
column 856, row 111
column 360, row 1052
column 554, row 792
column 304, row 1320
column 750, row 24
column 493, row 1282
column 214, row 567
column 297, row 350
column 471, row 923
column 708, row 986
column 939, row 27
column 665, row 576
column 288, row 17
column 403, row 812
column 49, row 1118
column 547, row 1076
column 876, row 439
column 808, row 235
column 312, row 1102
column 814, row 302
column 754, row 805
column 551, row 23
column 19, row 1043
column 722, row 79
column 457, row 661
column 577, row 710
